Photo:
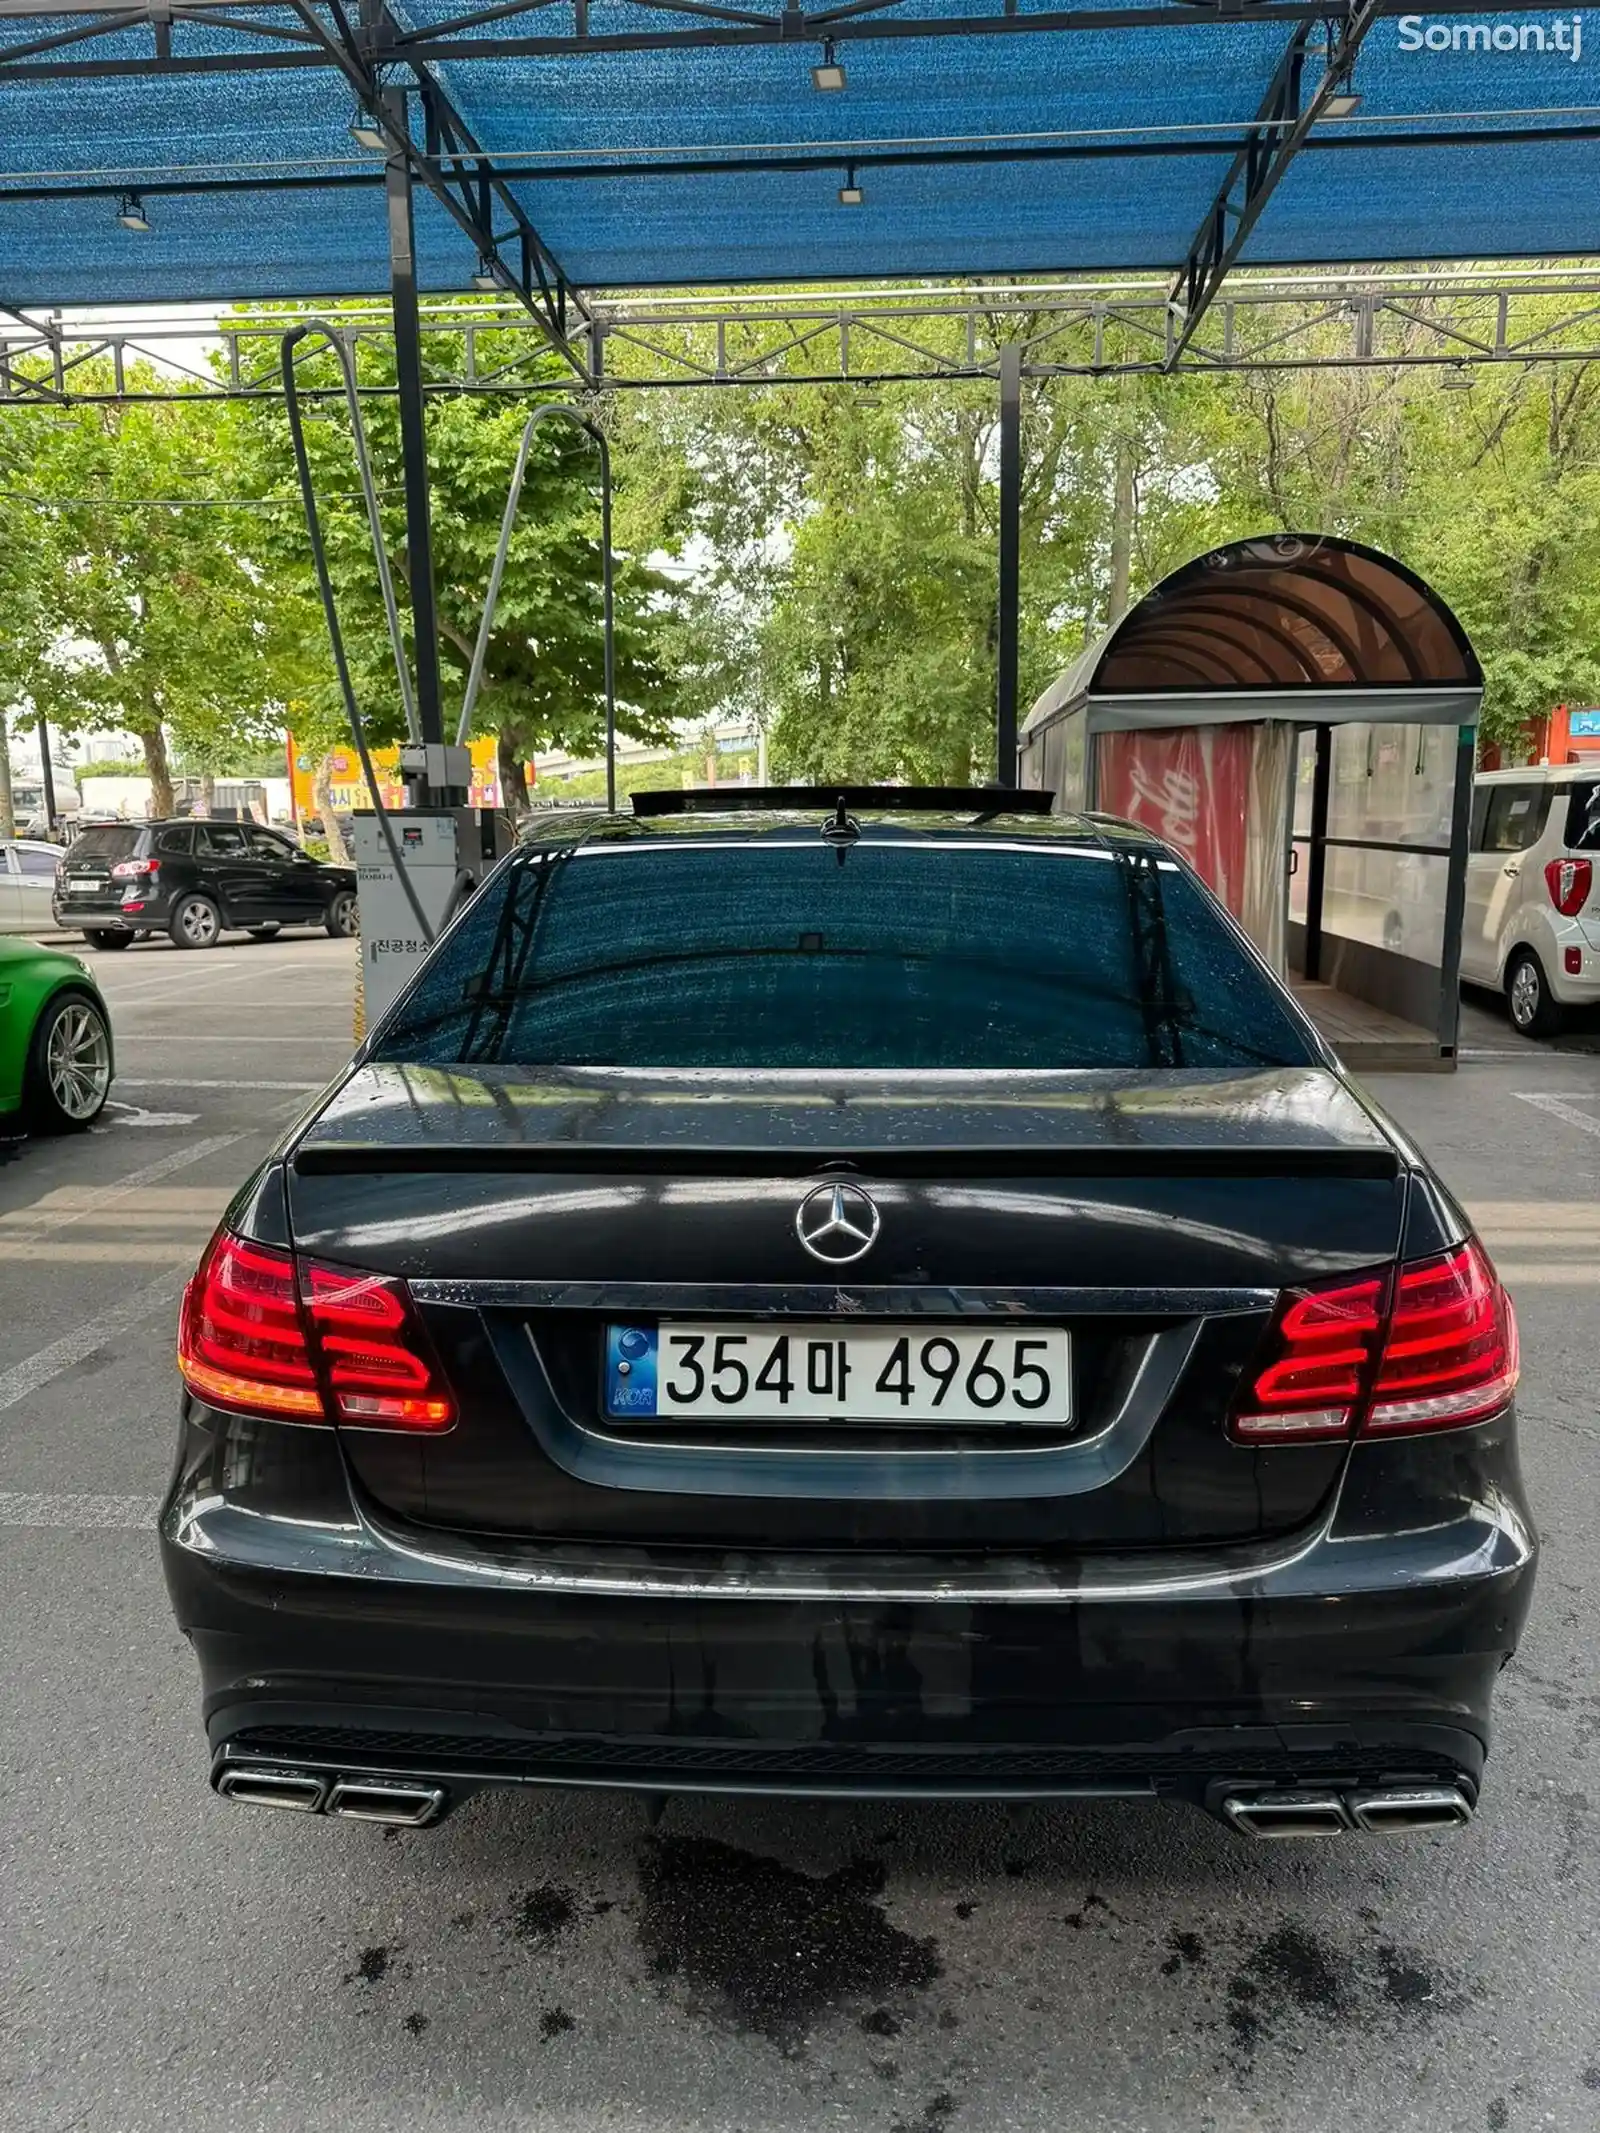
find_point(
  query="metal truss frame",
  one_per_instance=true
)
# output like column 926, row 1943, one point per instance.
column 664, row 25
column 1282, row 126
column 1448, row 321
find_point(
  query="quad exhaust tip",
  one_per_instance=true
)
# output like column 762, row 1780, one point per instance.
column 400, row 1802
column 1378, row 1811
column 297, row 1790
column 386, row 1800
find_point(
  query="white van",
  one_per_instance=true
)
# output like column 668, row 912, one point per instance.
column 1532, row 926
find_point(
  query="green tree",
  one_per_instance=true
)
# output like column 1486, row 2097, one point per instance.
column 143, row 610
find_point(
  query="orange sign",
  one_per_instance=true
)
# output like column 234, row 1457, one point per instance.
column 347, row 788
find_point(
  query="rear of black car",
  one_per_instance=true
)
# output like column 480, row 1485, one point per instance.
column 888, row 1306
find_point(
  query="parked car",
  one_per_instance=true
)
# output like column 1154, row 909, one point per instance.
column 1532, row 925
column 886, row 1300
column 195, row 881
column 55, row 1040
column 27, row 885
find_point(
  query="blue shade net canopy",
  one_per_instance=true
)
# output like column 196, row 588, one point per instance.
column 647, row 146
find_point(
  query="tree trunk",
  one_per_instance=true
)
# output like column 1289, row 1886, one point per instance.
column 513, row 772
column 1121, row 534
column 158, row 771
column 322, row 799
column 8, row 812
column 208, row 792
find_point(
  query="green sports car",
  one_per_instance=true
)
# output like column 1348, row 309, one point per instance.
column 55, row 1041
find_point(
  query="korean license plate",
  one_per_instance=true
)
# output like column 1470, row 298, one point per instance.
column 82, row 884
column 821, row 1372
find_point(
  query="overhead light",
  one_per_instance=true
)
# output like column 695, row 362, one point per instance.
column 1458, row 380
column 1343, row 104
column 487, row 274
column 131, row 214
column 850, row 193
column 830, row 75
column 367, row 133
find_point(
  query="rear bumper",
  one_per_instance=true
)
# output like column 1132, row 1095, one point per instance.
column 79, row 915
column 1349, row 1654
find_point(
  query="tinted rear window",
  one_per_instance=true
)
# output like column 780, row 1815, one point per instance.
column 111, row 841
column 910, row 954
column 1583, row 816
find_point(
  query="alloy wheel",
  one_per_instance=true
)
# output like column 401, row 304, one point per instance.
column 199, row 923
column 78, row 1061
column 1524, row 995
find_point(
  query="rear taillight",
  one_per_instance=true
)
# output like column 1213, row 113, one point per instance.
column 1433, row 1349
column 379, row 1369
column 1569, row 882
column 264, row 1334
column 135, row 869
column 1322, row 1348
column 241, row 1343
column 1450, row 1354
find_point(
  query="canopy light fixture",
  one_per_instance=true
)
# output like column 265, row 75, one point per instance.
column 850, row 193
column 830, row 76
column 1343, row 104
column 487, row 273
column 131, row 214
column 367, row 133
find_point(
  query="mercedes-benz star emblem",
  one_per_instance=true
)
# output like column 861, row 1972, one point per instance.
column 837, row 1223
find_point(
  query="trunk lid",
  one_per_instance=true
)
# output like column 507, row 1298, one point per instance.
column 1154, row 1215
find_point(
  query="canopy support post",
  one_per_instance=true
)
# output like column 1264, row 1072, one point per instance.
column 413, row 435
column 1010, row 559
column 1455, row 893
column 1317, row 850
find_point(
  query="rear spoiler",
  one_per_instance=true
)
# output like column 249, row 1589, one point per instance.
column 1152, row 1160
column 979, row 800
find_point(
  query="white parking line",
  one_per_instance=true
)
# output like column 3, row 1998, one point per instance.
column 129, row 1513
column 1564, row 1108
column 239, row 1039
column 38, row 1369
column 80, row 1202
column 58, row 1211
column 186, row 1081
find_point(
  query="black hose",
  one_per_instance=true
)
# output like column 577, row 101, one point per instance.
column 319, row 558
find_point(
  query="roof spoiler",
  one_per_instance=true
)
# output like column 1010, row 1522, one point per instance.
column 877, row 799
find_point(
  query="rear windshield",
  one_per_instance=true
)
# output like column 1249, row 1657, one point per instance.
column 907, row 954
column 1583, row 816
column 112, row 840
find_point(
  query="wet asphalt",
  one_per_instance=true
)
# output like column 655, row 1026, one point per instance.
column 560, row 1962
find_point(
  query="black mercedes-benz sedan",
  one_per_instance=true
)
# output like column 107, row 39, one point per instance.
column 888, row 1296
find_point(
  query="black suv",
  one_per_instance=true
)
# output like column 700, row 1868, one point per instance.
column 195, row 881
column 893, row 1298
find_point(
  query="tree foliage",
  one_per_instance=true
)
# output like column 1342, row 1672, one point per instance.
column 836, row 548
column 852, row 533
column 130, row 598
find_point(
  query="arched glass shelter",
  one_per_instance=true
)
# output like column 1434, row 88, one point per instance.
column 1298, row 714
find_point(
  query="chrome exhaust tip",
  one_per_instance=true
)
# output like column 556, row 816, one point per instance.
column 391, row 1800
column 1286, row 1814
column 1409, row 1810
column 299, row 1791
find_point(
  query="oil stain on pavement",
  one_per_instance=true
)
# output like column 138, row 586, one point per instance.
column 771, row 1948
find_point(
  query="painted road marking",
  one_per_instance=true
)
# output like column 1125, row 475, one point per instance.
column 1564, row 1108
column 137, row 1115
column 149, row 1081
column 72, row 1204
column 75, row 1203
column 240, row 1040
column 127, row 1513
column 35, row 1370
